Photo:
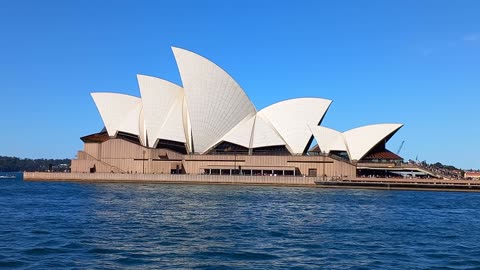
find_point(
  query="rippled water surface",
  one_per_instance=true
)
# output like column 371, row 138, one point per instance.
column 109, row 226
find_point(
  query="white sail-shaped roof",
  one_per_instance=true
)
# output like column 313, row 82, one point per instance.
column 119, row 112
column 162, row 108
column 254, row 132
column 363, row 139
column 216, row 103
column 264, row 134
column 292, row 118
column 142, row 129
column 329, row 139
column 211, row 107
column 186, row 125
column 241, row 133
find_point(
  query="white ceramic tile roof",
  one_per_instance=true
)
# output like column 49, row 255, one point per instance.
column 142, row 130
column 241, row 133
column 292, row 118
column 362, row 139
column 119, row 112
column 329, row 139
column 216, row 102
column 163, row 109
column 264, row 134
column 211, row 107
column 254, row 132
column 186, row 125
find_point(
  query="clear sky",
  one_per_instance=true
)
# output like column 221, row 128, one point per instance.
column 411, row 62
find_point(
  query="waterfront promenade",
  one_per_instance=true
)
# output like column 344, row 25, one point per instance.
column 370, row 183
column 402, row 183
column 172, row 178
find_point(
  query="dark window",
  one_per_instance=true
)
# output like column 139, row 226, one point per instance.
column 228, row 148
column 271, row 150
column 178, row 147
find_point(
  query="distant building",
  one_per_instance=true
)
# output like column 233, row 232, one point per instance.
column 472, row 175
column 209, row 126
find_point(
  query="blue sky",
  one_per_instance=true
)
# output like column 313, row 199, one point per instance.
column 411, row 62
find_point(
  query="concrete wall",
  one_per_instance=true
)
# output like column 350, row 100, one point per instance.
column 195, row 163
column 117, row 155
column 170, row 178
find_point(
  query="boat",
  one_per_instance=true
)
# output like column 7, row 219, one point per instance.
column 7, row 177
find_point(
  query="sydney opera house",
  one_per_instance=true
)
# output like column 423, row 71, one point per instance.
column 208, row 125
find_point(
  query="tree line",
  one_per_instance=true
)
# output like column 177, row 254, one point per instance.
column 14, row 164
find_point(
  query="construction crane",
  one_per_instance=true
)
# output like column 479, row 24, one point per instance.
column 400, row 148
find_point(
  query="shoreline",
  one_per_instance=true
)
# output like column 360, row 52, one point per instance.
column 290, row 181
column 170, row 179
column 400, row 186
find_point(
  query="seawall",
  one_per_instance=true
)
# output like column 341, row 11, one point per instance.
column 363, row 183
column 170, row 178
column 402, row 184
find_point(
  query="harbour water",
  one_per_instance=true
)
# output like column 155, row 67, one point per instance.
column 61, row 225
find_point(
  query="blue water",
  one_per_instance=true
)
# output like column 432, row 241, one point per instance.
column 110, row 226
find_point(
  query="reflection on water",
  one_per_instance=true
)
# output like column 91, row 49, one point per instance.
column 111, row 226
